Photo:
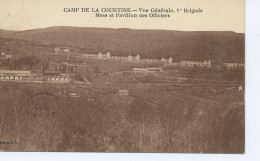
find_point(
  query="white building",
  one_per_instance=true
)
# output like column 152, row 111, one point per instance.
column 150, row 60
column 108, row 56
column 136, row 58
column 154, row 69
column 4, row 56
column 58, row 79
column 66, row 50
column 129, row 58
column 140, row 70
column 170, row 60
column 204, row 63
column 234, row 65
column 14, row 74
column 162, row 60
column 97, row 56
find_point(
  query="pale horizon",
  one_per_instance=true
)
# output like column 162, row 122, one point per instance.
column 122, row 28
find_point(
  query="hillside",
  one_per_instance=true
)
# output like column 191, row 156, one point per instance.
column 218, row 46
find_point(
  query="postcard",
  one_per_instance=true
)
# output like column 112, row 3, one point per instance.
column 122, row 76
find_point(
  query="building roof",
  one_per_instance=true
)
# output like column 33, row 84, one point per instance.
column 140, row 69
column 14, row 72
column 154, row 69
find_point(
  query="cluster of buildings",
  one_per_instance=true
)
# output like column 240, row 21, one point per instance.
column 129, row 58
column 5, row 56
column 64, row 67
column 234, row 65
column 205, row 63
column 18, row 75
column 137, row 58
column 57, row 77
column 64, row 72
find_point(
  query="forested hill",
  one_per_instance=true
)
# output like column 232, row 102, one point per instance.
column 219, row 46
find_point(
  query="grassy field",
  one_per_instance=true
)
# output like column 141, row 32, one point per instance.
column 154, row 117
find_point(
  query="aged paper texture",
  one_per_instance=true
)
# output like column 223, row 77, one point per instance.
column 122, row 76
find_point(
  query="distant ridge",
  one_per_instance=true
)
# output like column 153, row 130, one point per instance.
column 220, row 46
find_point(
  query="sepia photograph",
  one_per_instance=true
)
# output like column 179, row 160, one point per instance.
column 164, row 77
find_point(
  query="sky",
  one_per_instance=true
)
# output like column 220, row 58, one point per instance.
column 218, row 15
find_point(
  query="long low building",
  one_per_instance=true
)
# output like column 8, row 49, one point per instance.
column 128, row 58
column 14, row 74
column 58, row 79
column 140, row 70
column 234, row 65
column 147, row 70
column 204, row 63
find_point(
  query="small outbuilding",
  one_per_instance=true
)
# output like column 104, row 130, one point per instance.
column 123, row 92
